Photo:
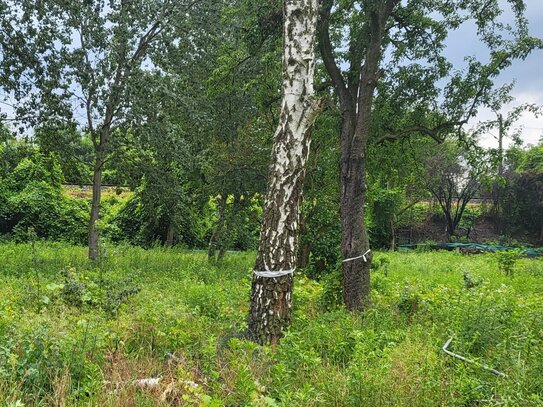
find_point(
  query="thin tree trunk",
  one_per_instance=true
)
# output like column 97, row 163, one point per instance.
column 95, row 205
column 305, row 248
column 100, row 148
column 222, row 252
column 393, row 236
column 497, row 185
column 229, row 227
column 271, row 297
column 215, row 235
column 303, row 256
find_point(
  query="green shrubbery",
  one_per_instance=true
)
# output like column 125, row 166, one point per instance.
column 31, row 196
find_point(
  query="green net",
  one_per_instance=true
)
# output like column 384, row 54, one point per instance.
column 471, row 248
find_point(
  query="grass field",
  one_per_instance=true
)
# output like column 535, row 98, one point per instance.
column 79, row 333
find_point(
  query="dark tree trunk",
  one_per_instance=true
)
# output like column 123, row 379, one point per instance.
column 303, row 255
column 392, row 236
column 170, row 235
column 497, row 186
column 304, row 250
column 222, row 252
column 355, row 98
column 354, row 238
column 450, row 227
column 271, row 294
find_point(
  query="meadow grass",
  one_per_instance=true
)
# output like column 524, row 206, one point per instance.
column 73, row 332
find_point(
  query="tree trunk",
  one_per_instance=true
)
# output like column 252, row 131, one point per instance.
column 392, row 236
column 100, row 148
column 222, row 252
column 497, row 185
column 94, row 251
column 215, row 236
column 354, row 238
column 355, row 98
column 170, row 235
column 304, row 250
column 450, row 227
column 271, row 296
column 355, row 242
column 303, row 256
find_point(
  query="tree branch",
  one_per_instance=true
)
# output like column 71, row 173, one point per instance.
column 328, row 58
column 433, row 132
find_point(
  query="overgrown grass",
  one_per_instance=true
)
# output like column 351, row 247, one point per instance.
column 79, row 333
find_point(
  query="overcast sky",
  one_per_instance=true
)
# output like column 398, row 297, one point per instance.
column 527, row 74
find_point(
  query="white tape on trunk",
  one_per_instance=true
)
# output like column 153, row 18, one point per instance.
column 358, row 257
column 272, row 274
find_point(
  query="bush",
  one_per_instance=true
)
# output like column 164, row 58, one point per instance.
column 507, row 260
column 332, row 294
column 32, row 197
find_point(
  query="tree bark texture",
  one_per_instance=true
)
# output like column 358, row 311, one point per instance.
column 271, row 297
column 355, row 98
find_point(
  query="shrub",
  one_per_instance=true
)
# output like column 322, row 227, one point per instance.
column 507, row 260
column 32, row 197
column 409, row 301
column 332, row 293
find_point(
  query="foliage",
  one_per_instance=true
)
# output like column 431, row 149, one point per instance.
column 31, row 196
column 385, row 204
column 507, row 260
column 320, row 233
column 522, row 195
column 72, row 149
column 140, row 220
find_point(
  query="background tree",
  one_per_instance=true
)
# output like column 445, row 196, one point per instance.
column 521, row 200
column 454, row 178
column 64, row 59
column 409, row 81
column 502, row 128
column 240, row 100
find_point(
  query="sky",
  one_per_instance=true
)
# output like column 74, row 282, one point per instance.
column 527, row 75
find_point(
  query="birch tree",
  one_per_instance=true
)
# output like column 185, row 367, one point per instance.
column 271, row 292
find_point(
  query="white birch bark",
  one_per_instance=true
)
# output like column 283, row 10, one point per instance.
column 271, row 297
